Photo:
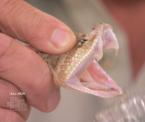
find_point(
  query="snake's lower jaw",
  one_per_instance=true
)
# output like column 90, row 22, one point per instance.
column 94, row 80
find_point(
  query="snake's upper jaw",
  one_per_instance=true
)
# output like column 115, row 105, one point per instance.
column 109, row 38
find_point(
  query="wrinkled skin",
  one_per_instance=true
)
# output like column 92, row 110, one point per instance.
column 21, row 69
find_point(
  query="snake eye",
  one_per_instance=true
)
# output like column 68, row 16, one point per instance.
column 81, row 42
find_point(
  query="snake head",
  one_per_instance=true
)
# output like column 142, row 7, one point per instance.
column 79, row 68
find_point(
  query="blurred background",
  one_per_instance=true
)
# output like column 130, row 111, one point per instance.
column 81, row 16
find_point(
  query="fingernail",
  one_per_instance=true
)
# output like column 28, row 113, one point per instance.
column 61, row 38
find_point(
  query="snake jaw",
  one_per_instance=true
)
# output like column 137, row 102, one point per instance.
column 109, row 39
column 94, row 80
column 87, row 75
column 78, row 68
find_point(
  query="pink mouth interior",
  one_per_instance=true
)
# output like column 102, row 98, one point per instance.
column 94, row 80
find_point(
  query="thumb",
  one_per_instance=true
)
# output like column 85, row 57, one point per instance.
column 43, row 31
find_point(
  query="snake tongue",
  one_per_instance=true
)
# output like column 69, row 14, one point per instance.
column 94, row 80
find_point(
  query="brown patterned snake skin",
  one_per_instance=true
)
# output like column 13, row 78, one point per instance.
column 79, row 68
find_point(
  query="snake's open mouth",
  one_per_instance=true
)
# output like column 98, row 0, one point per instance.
column 89, row 76
column 96, row 81
column 79, row 68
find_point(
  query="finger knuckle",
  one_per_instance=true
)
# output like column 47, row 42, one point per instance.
column 10, row 116
column 5, row 44
column 42, row 83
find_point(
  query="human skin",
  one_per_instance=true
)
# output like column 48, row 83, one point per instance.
column 130, row 15
column 21, row 69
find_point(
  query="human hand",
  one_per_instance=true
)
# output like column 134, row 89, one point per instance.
column 21, row 69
